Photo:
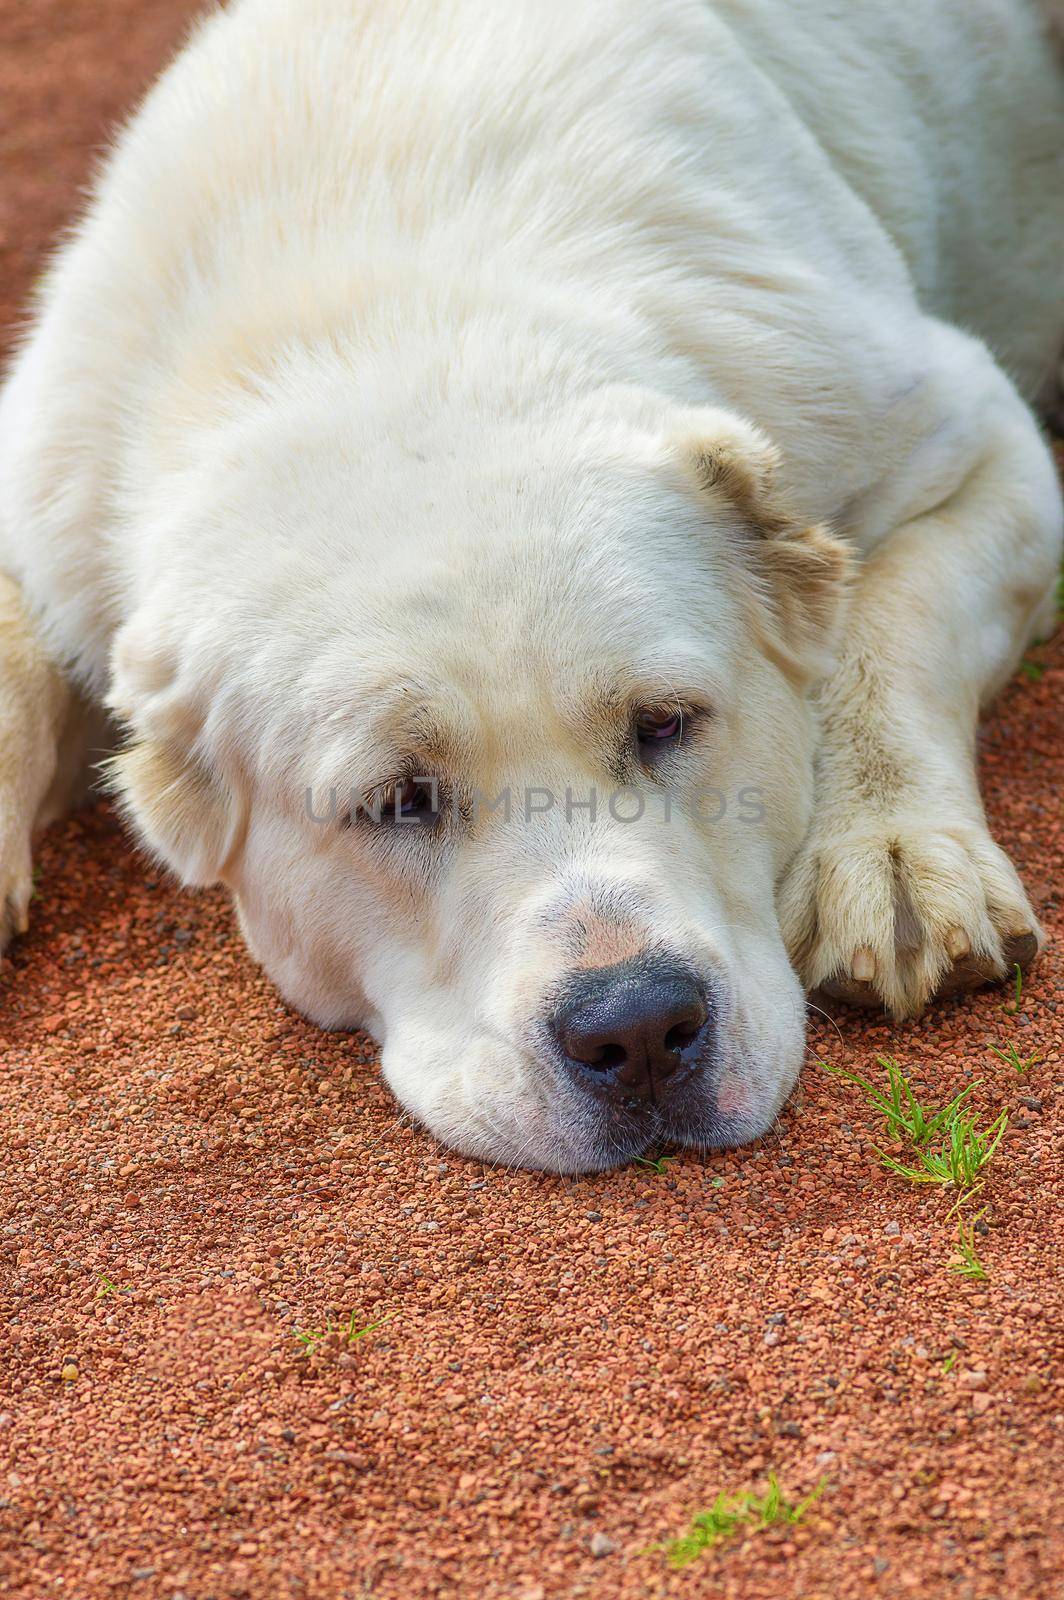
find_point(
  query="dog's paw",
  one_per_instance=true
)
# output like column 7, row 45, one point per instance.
column 16, row 882
column 893, row 915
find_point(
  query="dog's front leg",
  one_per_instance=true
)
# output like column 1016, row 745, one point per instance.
column 899, row 892
column 34, row 706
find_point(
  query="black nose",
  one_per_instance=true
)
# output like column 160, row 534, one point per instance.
column 630, row 1028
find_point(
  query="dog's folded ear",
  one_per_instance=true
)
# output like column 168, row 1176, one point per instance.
column 184, row 813
column 794, row 575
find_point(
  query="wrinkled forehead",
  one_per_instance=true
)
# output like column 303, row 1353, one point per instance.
column 481, row 607
column 475, row 698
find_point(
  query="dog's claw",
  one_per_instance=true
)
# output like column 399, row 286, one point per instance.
column 856, row 988
column 967, row 972
column 972, row 972
column 863, row 965
column 15, row 896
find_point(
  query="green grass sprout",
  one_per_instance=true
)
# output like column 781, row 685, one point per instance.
column 969, row 1265
column 1033, row 671
column 349, row 1331
column 947, row 1145
column 107, row 1287
column 1012, row 1058
column 658, row 1164
column 1013, row 1006
column 729, row 1513
column 902, row 1112
column 958, row 1159
column 950, row 1361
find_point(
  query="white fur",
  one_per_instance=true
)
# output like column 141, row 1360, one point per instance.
column 372, row 381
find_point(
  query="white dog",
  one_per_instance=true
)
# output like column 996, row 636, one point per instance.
column 448, row 446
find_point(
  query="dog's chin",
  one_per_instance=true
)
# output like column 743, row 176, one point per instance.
column 588, row 1138
column 615, row 1145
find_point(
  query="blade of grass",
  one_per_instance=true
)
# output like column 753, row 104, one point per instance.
column 969, row 1265
column 1012, row 1058
column 1012, row 1006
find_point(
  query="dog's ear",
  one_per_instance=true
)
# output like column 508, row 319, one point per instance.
column 183, row 812
column 795, row 575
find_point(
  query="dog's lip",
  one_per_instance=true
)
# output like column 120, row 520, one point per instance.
column 599, row 1087
column 607, row 1152
column 612, row 1137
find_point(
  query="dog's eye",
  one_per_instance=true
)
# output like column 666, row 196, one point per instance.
column 413, row 800
column 658, row 725
column 410, row 802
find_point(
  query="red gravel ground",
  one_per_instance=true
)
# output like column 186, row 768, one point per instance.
column 570, row 1368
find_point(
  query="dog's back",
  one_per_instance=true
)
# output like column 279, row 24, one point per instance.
column 947, row 117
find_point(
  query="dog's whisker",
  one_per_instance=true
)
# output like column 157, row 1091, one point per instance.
column 819, row 1011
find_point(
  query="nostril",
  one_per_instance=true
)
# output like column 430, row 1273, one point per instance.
column 600, row 1057
column 612, row 1055
column 684, row 1033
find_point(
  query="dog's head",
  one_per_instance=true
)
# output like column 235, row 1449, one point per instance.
column 501, row 747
